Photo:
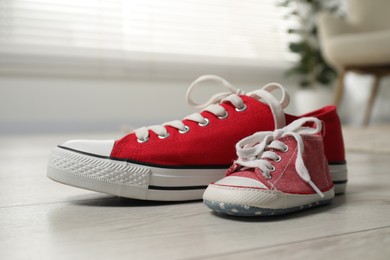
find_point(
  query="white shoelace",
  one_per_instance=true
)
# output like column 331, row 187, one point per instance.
column 213, row 106
column 253, row 151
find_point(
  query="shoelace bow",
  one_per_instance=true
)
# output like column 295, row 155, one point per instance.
column 253, row 151
column 213, row 106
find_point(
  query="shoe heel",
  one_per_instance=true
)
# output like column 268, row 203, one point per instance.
column 339, row 174
column 340, row 188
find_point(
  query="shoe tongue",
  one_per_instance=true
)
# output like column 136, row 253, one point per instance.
column 248, row 173
column 275, row 109
column 267, row 99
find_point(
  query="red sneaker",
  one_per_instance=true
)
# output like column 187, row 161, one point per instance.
column 275, row 173
column 177, row 160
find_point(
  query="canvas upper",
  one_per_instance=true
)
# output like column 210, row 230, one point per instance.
column 178, row 159
column 276, row 172
column 213, row 145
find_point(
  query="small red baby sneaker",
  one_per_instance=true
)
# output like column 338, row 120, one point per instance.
column 276, row 173
column 177, row 160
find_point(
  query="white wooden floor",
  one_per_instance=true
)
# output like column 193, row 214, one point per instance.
column 41, row 219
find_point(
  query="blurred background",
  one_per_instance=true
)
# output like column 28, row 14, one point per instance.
column 94, row 65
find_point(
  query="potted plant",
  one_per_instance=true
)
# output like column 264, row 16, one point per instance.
column 312, row 72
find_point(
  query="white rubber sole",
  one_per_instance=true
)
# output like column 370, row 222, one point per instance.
column 136, row 181
column 127, row 179
column 251, row 202
column 339, row 174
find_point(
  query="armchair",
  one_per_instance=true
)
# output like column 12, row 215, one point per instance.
column 359, row 43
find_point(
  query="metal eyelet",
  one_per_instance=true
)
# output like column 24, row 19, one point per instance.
column 142, row 140
column 240, row 109
column 185, row 130
column 163, row 136
column 285, row 150
column 224, row 116
column 279, row 159
column 272, row 169
column 206, row 122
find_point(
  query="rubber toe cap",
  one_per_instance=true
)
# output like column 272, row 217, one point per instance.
column 241, row 181
column 96, row 147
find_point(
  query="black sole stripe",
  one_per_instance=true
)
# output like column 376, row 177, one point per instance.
column 168, row 166
column 337, row 162
column 184, row 167
column 340, row 182
column 200, row 167
column 152, row 187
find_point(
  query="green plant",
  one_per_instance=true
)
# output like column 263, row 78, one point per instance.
column 310, row 68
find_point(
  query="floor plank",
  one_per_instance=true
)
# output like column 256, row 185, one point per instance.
column 373, row 139
column 370, row 244
column 41, row 219
column 23, row 161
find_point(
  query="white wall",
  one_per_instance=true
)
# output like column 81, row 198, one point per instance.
column 32, row 104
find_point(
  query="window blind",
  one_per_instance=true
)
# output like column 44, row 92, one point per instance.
column 118, row 36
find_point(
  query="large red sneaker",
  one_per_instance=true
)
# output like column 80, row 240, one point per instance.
column 176, row 161
column 275, row 173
